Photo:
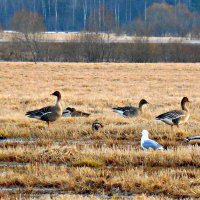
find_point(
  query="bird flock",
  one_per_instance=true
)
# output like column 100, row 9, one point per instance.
column 50, row 114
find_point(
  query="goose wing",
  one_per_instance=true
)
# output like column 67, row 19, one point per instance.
column 42, row 113
column 132, row 112
column 79, row 114
column 192, row 138
column 123, row 108
column 174, row 114
column 126, row 111
column 82, row 114
column 66, row 113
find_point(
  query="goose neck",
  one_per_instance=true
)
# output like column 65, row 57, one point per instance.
column 184, row 106
column 141, row 107
column 58, row 100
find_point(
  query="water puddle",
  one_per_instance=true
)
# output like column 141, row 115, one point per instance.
column 16, row 140
column 46, row 192
column 22, row 165
column 74, row 196
column 34, row 189
column 12, row 164
column 67, row 142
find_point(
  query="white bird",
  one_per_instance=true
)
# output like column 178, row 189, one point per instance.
column 147, row 143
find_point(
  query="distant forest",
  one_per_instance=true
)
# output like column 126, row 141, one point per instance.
column 133, row 17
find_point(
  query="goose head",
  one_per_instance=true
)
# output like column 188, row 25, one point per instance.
column 142, row 102
column 184, row 101
column 57, row 94
column 71, row 109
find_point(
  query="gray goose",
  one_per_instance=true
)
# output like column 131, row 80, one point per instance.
column 130, row 111
column 49, row 113
column 176, row 117
column 96, row 125
column 188, row 139
column 74, row 113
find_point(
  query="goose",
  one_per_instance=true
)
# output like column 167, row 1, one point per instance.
column 49, row 113
column 74, row 113
column 2, row 137
column 147, row 143
column 176, row 117
column 188, row 139
column 96, row 125
column 130, row 111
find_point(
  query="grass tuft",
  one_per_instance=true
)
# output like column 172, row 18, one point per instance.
column 88, row 162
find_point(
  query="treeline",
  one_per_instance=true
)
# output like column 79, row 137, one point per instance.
column 93, row 48
column 142, row 17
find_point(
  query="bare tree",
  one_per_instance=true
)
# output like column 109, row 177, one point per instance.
column 56, row 15
column 85, row 12
column 29, row 25
column 107, row 22
column 93, row 47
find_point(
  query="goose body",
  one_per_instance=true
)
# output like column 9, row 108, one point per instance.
column 176, row 117
column 96, row 125
column 130, row 111
column 2, row 137
column 74, row 113
column 49, row 113
column 188, row 139
column 147, row 143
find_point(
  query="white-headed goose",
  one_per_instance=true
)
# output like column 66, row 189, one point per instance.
column 96, row 125
column 74, row 113
column 49, row 113
column 130, row 111
column 176, row 117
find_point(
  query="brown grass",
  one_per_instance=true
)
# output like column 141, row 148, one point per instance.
column 88, row 158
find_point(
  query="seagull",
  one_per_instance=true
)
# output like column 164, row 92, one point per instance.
column 147, row 143
column 176, row 117
column 130, row 111
column 49, row 113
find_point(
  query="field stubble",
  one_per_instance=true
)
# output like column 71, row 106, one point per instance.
column 70, row 157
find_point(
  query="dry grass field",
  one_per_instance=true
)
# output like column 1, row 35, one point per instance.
column 69, row 159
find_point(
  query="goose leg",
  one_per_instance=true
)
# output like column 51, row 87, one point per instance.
column 171, row 128
column 48, row 124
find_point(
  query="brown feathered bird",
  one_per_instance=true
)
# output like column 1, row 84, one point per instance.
column 49, row 113
column 130, row 111
column 96, row 125
column 176, row 117
column 74, row 113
